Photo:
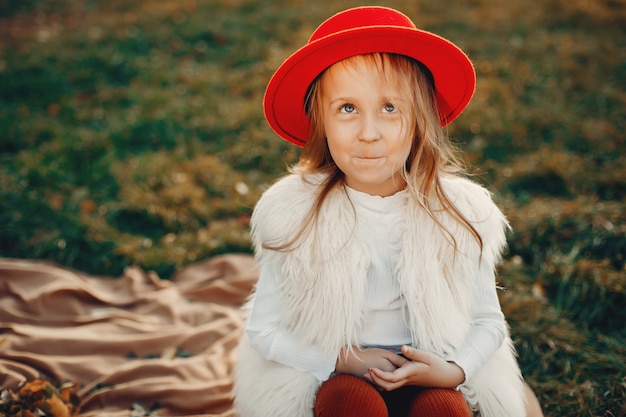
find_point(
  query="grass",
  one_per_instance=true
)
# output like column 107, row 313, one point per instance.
column 132, row 133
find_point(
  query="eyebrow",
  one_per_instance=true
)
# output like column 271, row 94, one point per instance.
column 385, row 99
column 341, row 99
column 394, row 99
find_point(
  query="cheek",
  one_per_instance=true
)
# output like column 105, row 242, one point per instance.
column 337, row 139
column 399, row 132
column 403, row 150
column 337, row 150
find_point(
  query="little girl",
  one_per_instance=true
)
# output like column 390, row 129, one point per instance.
column 376, row 294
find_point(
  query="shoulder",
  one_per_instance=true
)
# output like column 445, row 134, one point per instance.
column 465, row 189
column 292, row 189
column 476, row 204
column 283, row 207
column 472, row 199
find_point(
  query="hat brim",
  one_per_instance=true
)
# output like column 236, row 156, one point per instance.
column 453, row 73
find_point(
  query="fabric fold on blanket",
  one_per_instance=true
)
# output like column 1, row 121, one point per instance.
column 166, row 344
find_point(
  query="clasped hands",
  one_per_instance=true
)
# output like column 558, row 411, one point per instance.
column 389, row 371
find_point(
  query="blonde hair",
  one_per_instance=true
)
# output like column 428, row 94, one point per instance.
column 432, row 153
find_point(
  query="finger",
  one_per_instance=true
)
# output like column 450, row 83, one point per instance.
column 397, row 360
column 379, row 382
column 397, row 375
column 416, row 354
column 379, row 374
column 377, row 377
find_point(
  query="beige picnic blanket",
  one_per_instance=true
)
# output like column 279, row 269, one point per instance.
column 168, row 345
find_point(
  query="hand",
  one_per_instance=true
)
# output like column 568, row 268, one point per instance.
column 425, row 369
column 357, row 362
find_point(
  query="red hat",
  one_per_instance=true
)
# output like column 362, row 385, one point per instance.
column 358, row 31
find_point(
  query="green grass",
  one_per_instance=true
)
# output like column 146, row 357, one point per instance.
column 132, row 133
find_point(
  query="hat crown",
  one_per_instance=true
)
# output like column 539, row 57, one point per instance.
column 360, row 17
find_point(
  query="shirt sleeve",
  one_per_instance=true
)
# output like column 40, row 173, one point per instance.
column 273, row 340
column 488, row 328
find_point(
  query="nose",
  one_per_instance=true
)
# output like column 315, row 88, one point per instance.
column 370, row 128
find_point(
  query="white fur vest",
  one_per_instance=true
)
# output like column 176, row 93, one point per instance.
column 324, row 290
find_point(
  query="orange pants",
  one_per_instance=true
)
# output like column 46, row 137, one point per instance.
column 349, row 396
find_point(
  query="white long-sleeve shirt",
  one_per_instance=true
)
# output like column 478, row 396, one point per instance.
column 385, row 321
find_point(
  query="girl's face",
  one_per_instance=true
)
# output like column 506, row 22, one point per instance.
column 366, row 121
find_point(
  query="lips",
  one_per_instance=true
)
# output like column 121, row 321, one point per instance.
column 368, row 160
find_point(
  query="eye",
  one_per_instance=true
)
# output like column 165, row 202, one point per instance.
column 347, row 108
column 389, row 108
